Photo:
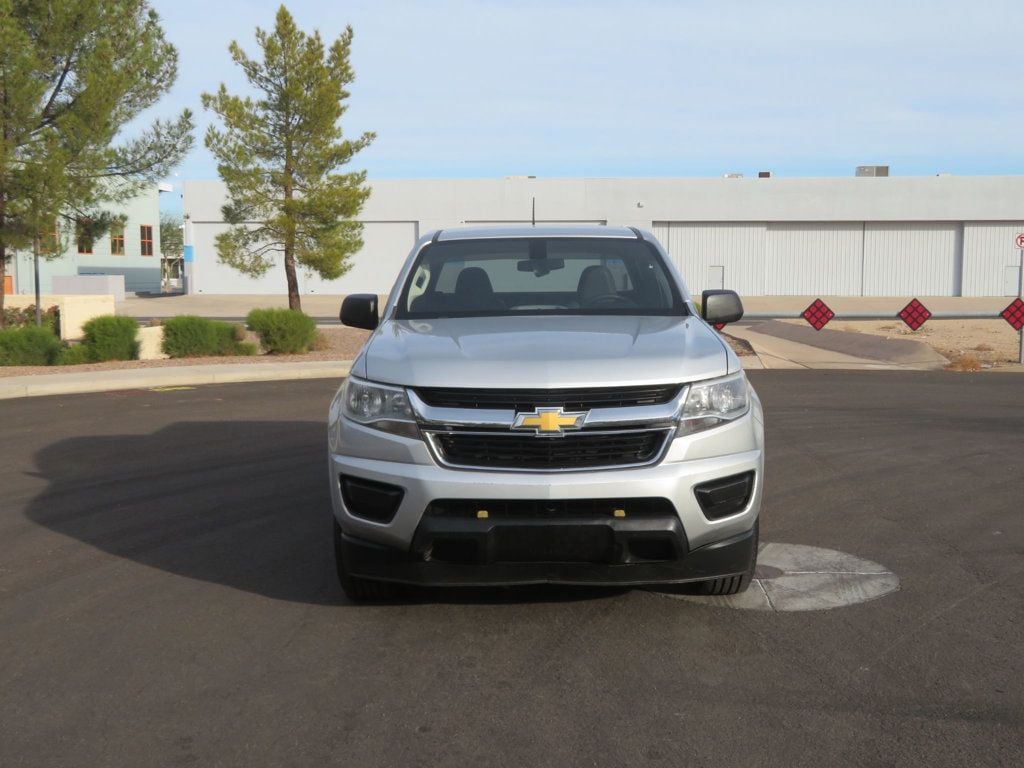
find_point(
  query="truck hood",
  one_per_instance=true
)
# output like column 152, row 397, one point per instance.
column 544, row 352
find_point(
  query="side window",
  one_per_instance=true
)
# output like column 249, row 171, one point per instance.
column 420, row 281
column 620, row 274
column 448, row 275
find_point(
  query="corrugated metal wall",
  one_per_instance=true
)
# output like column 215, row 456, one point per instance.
column 814, row 258
column 991, row 258
column 696, row 248
column 843, row 258
column 912, row 259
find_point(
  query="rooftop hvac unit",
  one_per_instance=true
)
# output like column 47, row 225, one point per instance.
column 872, row 170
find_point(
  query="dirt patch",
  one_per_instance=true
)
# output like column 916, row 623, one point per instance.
column 333, row 344
column 741, row 347
column 993, row 343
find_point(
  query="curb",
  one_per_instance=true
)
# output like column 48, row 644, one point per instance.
column 148, row 378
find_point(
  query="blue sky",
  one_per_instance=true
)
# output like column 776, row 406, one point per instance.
column 462, row 88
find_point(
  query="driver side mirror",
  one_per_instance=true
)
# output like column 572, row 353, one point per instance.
column 720, row 307
column 360, row 311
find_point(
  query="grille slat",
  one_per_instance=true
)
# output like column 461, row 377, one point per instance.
column 574, row 451
column 529, row 399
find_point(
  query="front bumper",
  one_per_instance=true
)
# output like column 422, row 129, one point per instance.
column 704, row 548
column 373, row 561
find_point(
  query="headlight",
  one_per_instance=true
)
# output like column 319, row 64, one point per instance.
column 379, row 406
column 714, row 402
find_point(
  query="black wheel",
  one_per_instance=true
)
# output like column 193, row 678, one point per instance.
column 356, row 588
column 731, row 585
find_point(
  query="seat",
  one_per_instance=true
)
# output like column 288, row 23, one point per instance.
column 595, row 281
column 473, row 290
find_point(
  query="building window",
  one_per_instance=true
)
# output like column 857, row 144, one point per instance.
column 146, row 238
column 117, row 240
column 49, row 242
column 84, row 238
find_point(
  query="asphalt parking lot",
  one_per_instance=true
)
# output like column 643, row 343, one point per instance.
column 167, row 599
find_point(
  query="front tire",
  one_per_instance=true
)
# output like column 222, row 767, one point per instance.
column 732, row 585
column 356, row 588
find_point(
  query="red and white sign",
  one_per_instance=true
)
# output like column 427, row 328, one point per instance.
column 1019, row 240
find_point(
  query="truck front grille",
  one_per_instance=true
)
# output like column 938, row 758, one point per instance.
column 581, row 450
column 569, row 399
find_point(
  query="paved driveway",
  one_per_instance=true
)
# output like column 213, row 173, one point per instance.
column 166, row 599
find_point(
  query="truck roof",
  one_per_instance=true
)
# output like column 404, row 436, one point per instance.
column 540, row 230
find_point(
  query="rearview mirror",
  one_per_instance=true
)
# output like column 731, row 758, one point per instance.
column 540, row 267
column 720, row 306
column 360, row 311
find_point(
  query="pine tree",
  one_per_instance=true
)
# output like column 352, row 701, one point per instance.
column 72, row 74
column 279, row 153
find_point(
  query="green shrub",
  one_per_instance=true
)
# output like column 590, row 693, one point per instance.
column 76, row 355
column 109, row 337
column 19, row 318
column 283, row 331
column 191, row 336
column 30, row 345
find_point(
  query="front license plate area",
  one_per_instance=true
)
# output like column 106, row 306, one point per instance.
column 554, row 544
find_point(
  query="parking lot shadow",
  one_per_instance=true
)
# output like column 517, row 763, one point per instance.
column 242, row 504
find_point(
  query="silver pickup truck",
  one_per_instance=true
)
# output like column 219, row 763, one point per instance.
column 542, row 404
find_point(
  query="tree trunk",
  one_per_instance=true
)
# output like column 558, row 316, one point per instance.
column 3, row 274
column 35, row 266
column 294, row 300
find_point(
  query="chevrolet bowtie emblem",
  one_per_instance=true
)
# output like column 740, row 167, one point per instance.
column 549, row 421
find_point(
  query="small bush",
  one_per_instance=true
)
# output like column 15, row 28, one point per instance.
column 30, row 345
column 20, row 318
column 109, row 337
column 283, row 331
column 76, row 355
column 191, row 336
column 964, row 362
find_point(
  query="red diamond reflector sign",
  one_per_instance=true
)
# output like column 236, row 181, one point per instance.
column 1014, row 314
column 915, row 314
column 818, row 314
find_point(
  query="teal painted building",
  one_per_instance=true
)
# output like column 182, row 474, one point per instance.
column 133, row 252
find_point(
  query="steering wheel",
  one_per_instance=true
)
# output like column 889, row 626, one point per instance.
column 609, row 300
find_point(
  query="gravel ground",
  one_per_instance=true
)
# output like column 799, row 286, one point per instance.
column 993, row 342
column 340, row 344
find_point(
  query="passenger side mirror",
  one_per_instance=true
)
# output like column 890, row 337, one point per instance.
column 721, row 306
column 360, row 311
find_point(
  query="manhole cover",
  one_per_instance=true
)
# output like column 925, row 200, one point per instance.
column 795, row 577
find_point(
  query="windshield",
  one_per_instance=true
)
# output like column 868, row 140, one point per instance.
column 539, row 276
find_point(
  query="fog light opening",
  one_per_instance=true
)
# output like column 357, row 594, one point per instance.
column 370, row 500
column 725, row 496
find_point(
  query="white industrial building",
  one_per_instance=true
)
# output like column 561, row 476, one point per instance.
column 889, row 236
